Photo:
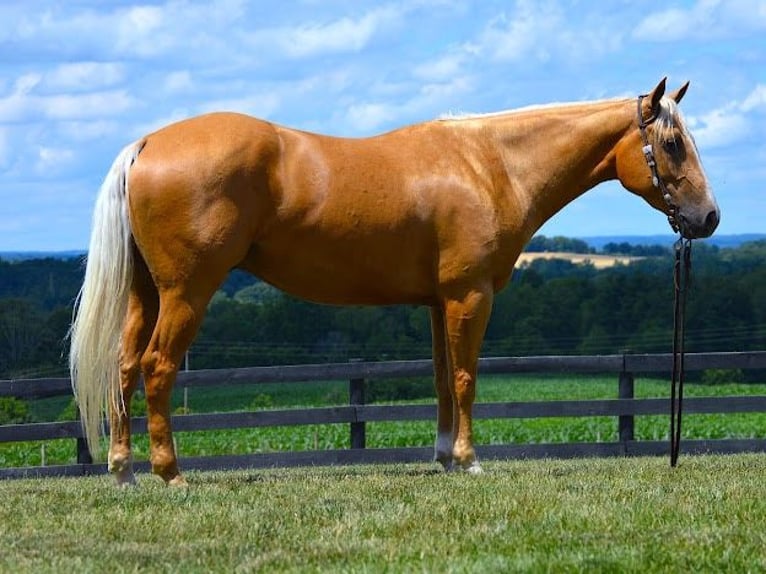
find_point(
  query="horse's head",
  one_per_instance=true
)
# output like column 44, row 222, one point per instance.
column 658, row 160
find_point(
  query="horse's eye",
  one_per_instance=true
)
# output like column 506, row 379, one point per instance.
column 670, row 146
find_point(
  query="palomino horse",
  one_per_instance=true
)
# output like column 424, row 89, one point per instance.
column 431, row 214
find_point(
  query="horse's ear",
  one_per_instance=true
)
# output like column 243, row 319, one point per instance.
column 679, row 93
column 651, row 102
column 655, row 96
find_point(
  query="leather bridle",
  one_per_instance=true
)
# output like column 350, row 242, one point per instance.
column 681, row 279
column 652, row 163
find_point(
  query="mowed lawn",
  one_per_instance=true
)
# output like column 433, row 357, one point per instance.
column 591, row 515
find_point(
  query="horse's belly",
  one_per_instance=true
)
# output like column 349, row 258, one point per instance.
column 347, row 274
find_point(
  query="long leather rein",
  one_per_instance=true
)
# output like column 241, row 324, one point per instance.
column 681, row 280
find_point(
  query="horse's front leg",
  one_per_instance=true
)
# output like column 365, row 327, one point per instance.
column 466, row 323
column 444, row 390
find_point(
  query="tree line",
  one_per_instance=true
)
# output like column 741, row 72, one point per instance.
column 549, row 307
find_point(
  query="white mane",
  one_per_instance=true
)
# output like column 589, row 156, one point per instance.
column 668, row 118
column 524, row 109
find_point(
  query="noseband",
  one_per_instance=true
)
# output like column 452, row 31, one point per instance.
column 652, row 163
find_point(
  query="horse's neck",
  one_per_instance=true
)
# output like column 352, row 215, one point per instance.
column 553, row 155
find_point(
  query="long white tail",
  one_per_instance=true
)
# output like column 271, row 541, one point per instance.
column 102, row 302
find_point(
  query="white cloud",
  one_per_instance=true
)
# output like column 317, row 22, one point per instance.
column 27, row 83
column 25, row 103
column 143, row 20
column 91, row 105
column 51, row 160
column 85, row 76
column 112, row 31
column 442, row 68
column 731, row 122
column 522, row 35
column 437, row 93
column 17, row 104
column 669, row 25
column 146, row 30
column 705, row 20
column 719, row 128
column 368, row 116
column 755, row 99
column 341, row 35
column 5, row 148
column 541, row 31
column 429, row 101
column 179, row 81
column 88, row 130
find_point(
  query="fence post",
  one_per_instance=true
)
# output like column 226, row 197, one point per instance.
column 83, row 453
column 356, row 398
column 625, row 423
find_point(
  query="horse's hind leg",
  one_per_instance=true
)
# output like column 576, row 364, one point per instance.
column 139, row 323
column 444, row 390
column 181, row 312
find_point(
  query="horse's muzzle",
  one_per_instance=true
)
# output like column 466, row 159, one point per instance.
column 700, row 227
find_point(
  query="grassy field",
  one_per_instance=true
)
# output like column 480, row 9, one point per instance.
column 626, row 515
column 419, row 433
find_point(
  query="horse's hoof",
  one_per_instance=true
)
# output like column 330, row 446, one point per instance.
column 443, row 450
column 121, row 466
column 125, row 479
column 178, row 481
column 474, row 468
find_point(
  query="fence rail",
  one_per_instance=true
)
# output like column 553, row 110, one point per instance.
column 356, row 414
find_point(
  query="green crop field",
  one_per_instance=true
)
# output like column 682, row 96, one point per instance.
column 418, row 433
column 587, row 515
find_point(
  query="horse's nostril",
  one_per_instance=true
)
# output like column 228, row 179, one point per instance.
column 711, row 221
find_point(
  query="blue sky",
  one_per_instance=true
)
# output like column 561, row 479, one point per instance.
column 80, row 79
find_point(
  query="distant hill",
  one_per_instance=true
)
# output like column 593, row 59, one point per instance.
column 596, row 242
column 25, row 255
column 736, row 240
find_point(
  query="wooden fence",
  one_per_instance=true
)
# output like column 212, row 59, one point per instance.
column 356, row 414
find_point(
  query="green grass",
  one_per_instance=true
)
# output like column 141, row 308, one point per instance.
column 418, row 433
column 609, row 515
